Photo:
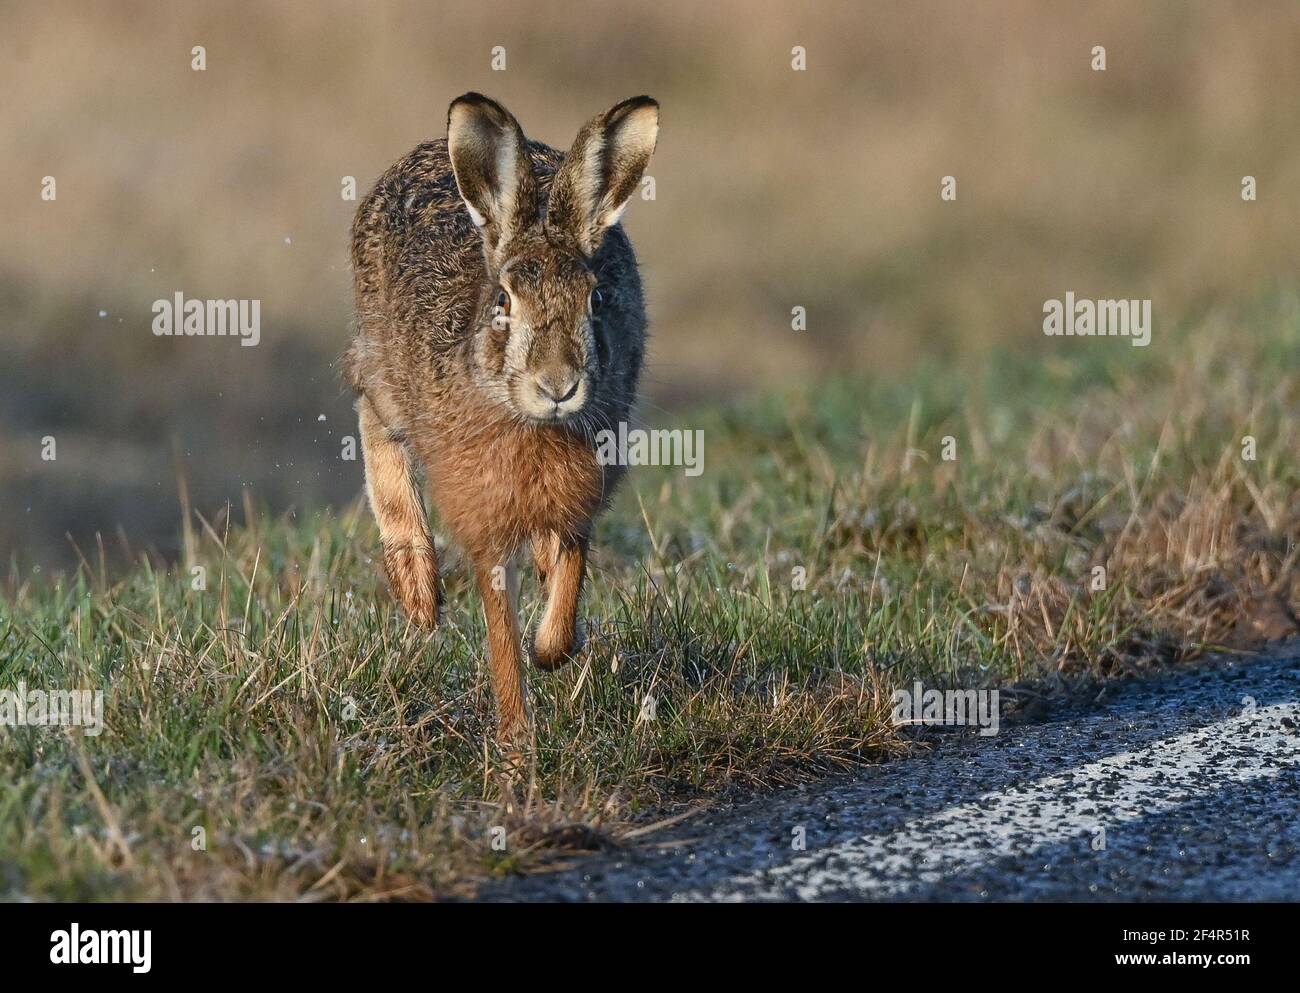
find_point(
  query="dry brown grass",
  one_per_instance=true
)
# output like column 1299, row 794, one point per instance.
column 331, row 752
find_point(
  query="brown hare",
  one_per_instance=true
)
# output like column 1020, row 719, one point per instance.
column 500, row 326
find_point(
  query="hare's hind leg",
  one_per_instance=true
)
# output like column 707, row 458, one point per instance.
column 561, row 566
column 498, row 586
column 409, row 556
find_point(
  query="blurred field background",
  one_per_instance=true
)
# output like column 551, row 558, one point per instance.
column 774, row 189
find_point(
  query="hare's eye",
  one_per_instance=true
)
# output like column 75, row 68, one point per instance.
column 595, row 302
column 503, row 303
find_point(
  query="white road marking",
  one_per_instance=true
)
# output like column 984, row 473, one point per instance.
column 1025, row 819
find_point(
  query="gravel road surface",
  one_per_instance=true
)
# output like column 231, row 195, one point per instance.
column 1183, row 787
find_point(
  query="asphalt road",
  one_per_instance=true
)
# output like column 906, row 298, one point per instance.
column 1185, row 787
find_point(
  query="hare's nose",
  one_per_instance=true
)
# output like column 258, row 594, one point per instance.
column 558, row 386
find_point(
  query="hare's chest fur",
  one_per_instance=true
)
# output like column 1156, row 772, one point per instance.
column 498, row 483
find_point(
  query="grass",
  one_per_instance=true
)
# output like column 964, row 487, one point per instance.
column 282, row 734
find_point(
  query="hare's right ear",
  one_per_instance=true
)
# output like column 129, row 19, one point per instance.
column 489, row 156
column 601, row 172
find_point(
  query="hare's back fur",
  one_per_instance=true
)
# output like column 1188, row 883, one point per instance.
column 415, row 250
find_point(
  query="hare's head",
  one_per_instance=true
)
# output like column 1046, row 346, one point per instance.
column 551, row 298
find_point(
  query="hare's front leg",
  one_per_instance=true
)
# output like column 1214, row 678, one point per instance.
column 561, row 566
column 498, row 585
column 409, row 556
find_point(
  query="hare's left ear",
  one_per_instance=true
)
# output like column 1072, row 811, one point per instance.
column 601, row 172
column 489, row 157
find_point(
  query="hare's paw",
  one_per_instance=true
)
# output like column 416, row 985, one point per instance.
column 514, row 736
column 413, row 575
column 552, row 646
